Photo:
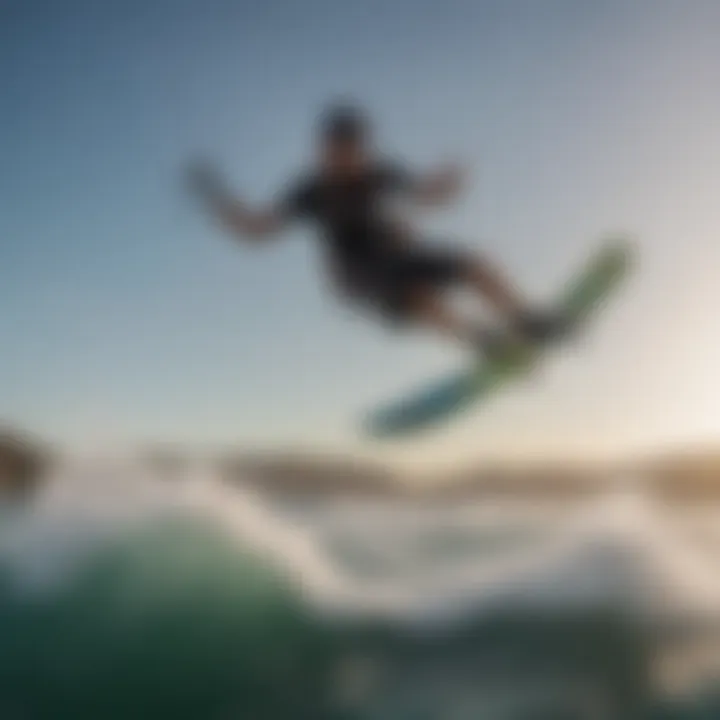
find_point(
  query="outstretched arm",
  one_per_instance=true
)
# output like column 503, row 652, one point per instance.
column 249, row 223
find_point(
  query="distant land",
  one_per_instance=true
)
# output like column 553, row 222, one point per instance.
column 686, row 474
column 24, row 462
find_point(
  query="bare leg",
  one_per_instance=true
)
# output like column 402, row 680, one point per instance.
column 428, row 308
column 488, row 282
column 525, row 322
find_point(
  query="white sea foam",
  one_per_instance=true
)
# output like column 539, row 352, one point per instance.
column 420, row 564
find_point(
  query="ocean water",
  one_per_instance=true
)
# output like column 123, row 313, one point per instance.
column 127, row 595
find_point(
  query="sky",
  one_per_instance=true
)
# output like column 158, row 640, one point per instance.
column 126, row 315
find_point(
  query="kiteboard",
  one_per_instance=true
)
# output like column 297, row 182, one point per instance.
column 582, row 297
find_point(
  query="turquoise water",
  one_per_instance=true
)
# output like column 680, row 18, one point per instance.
column 168, row 614
column 169, row 621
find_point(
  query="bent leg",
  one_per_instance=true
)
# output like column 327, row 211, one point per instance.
column 440, row 269
column 447, row 268
column 426, row 306
column 526, row 321
column 491, row 284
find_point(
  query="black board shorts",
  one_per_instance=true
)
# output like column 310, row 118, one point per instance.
column 388, row 284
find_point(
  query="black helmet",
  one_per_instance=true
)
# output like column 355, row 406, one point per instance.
column 344, row 122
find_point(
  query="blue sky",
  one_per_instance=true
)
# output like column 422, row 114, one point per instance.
column 126, row 314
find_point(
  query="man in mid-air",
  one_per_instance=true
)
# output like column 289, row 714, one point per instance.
column 350, row 196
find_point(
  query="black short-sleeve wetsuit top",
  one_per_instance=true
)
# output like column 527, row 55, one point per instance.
column 351, row 213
